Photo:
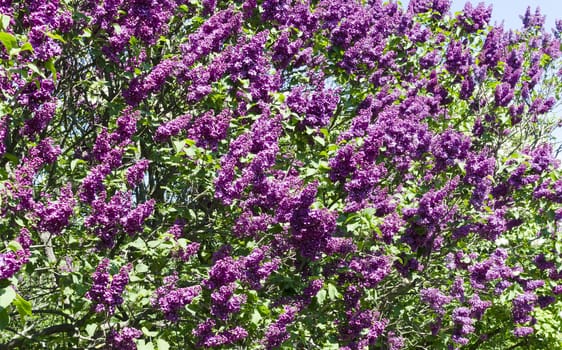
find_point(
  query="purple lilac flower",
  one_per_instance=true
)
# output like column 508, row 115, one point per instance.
column 523, row 331
column 458, row 60
column 133, row 221
column 277, row 332
column 478, row 306
column 545, row 300
column 490, row 269
column 435, row 299
column 189, row 251
column 542, row 158
column 371, row 269
column 226, row 337
column 171, row 300
column 478, row 167
column 211, row 35
column 54, row 216
column 135, row 174
column 357, row 322
column 493, row 47
column 361, row 186
column 316, row 107
column 503, row 95
column 449, row 146
column 223, row 272
column 106, row 291
column 11, row 262
column 533, row 20
column 46, row 150
column 123, row 340
column 172, row 128
column 4, row 130
column 141, row 87
column 464, row 325
column 476, row 18
column 209, row 129
column 457, row 289
column 523, row 304
column 421, row 6
column 395, row 342
column 531, row 285
column 255, row 269
column 225, row 303
column 311, row 290
column 105, row 217
column 93, row 183
column 542, row 263
column 42, row 115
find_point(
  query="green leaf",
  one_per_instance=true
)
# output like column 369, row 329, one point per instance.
column 35, row 69
column 333, row 292
column 321, row 296
column 142, row 345
column 320, row 140
column 5, row 21
column 91, row 329
column 23, row 306
column 74, row 163
column 51, row 66
column 14, row 246
column 256, row 317
column 138, row 243
column 141, row 268
column 178, row 145
column 56, row 37
column 4, row 318
column 6, row 296
column 26, row 47
column 8, row 40
column 149, row 333
column 161, row 344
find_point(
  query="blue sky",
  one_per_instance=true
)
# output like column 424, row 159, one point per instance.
column 508, row 12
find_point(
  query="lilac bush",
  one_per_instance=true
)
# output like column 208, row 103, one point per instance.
column 278, row 174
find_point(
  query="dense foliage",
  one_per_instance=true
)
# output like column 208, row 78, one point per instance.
column 324, row 174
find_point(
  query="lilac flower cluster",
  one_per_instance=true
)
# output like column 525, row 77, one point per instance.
column 186, row 253
column 135, row 174
column 171, row 300
column 11, row 262
column 208, row 338
column 106, row 291
column 352, row 331
column 209, row 129
column 435, row 299
column 107, row 218
column 490, row 269
column 123, row 340
column 225, row 303
column 108, row 149
column 316, row 107
column 22, row 185
column 54, row 216
column 476, row 18
column 372, row 270
column 260, row 141
column 464, row 325
column 277, row 332
column 145, row 21
column 171, row 128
